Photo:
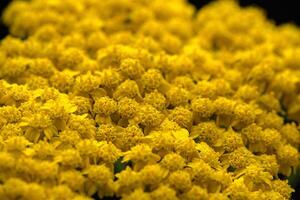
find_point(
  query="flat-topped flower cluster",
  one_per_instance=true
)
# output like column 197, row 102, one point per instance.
column 147, row 99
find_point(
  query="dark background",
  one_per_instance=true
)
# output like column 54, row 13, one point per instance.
column 280, row 11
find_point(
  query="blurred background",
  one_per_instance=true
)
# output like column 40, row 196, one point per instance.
column 276, row 10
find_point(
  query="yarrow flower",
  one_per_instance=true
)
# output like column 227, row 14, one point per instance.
column 147, row 100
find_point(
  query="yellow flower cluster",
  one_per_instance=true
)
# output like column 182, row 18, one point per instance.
column 147, row 99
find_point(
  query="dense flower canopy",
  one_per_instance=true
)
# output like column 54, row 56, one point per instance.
column 147, row 99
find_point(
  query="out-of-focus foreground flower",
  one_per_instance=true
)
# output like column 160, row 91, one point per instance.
column 147, row 99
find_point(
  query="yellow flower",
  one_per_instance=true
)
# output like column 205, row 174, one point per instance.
column 255, row 177
column 203, row 107
column 230, row 141
column 137, row 194
column 63, row 80
column 208, row 132
column 165, row 141
column 269, row 163
column 283, row 188
column 86, row 83
column 127, row 181
column 70, row 58
column 42, row 67
column 83, row 105
column 83, row 125
column 128, row 88
column 69, row 158
column 218, row 196
column 164, row 192
column 46, row 33
column 127, row 108
column 288, row 158
column 96, row 41
column 14, row 94
column 140, row 155
column 60, row 191
column 110, row 78
column 205, row 89
column 185, row 82
column 177, row 96
column 42, row 150
column 153, row 175
column 238, row 190
column 10, row 130
column 207, row 154
column 7, row 161
column 180, row 181
column 247, row 92
column 15, row 188
column 244, row 115
column 156, row 101
column 196, row 192
column 182, row 117
column 270, row 120
column 88, row 150
column 266, row 195
column 291, row 134
column 186, row 148
column 59, row 108
column 35, row 170
column 16, row 144
column 100, row 179
column 168, row 125
column 14, row 67
column 131, row 68
column 38, row 126
column 108, row 153
column 148, row 116
column 105, row 106
column 152, row 79
column 67, row 139
column 224, row 110
column 269, row 102
column 173, row 162
column 238, row 159
column 128, row 137
column 261, row 140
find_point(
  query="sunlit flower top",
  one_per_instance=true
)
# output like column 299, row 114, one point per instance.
column 147, row 99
